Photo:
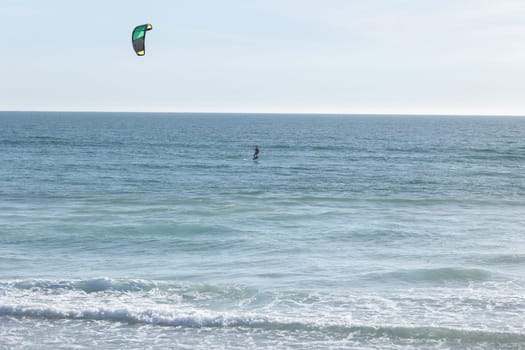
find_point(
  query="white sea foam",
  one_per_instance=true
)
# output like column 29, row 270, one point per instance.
column 486, row 307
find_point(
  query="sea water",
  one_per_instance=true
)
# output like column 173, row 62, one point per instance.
column 150, row 231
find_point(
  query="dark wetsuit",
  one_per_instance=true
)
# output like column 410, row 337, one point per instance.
column 256, row 154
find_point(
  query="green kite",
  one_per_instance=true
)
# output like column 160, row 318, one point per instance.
column 138, row 38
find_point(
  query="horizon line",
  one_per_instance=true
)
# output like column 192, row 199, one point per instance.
column 316, row 113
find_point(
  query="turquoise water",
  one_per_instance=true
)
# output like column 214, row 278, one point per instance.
column 145, row 231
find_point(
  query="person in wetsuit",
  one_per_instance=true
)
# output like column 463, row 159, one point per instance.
column 256, row 153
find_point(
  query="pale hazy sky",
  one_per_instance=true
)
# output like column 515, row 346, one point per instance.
column 313, row 56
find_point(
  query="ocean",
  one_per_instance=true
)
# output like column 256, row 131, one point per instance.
column 159, row 231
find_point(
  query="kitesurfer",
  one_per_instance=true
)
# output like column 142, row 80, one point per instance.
column 256, row 153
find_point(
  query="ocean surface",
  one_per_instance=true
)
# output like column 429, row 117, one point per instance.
column 157, row 231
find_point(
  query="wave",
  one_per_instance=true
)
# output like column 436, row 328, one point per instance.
column 426, row 202
column 36, row 140
column 507, row 259
column 87, row 286
column 115, row 287
column 423, row 316
column 445, row 274
column 101, row 285
column 231, row 320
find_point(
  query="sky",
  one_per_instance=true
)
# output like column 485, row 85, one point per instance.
column 267, row 56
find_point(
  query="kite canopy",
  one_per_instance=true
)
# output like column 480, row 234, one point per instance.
column 138, row 38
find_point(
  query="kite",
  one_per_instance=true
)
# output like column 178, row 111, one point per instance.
column 138, row 38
